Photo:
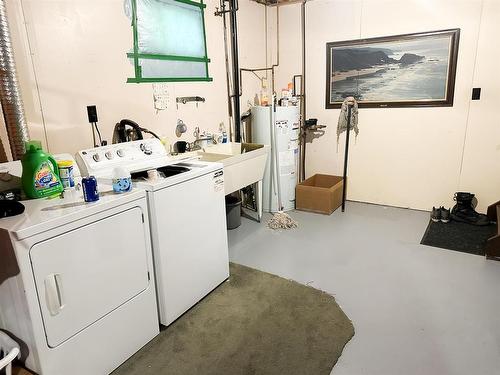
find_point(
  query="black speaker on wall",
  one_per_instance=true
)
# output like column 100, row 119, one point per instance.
column 92, row 113
column 476, row 93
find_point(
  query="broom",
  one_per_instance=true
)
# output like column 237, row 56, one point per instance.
column 280, row 219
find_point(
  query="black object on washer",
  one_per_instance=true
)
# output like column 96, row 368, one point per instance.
column 10, row 208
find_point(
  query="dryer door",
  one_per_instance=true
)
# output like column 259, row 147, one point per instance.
column 86, row 273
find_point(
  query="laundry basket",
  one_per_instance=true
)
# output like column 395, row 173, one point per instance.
column 10, row 351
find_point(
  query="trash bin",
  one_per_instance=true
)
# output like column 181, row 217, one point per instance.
column 233, row 212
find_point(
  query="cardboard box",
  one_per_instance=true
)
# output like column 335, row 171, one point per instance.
column 321, row 193
column 20, row 371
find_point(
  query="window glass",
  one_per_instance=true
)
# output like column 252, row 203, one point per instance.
column 176, row 69
column 169, row 27
column 169, row 40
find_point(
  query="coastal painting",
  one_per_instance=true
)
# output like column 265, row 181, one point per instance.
column 397, row 71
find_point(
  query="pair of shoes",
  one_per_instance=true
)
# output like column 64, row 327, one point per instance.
column 440, row 214
column 464, row 211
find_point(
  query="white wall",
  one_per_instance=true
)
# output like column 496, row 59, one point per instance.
column 78, row 58
column 481, row 158
column 408, row 157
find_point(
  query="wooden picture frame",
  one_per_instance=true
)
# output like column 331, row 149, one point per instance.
column 408, row 70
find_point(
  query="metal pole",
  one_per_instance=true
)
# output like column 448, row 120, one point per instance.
column 273, row 90
column 302, row 165
column 346, row 156
column 226, row 61
column 233, row 7
column 274, row 147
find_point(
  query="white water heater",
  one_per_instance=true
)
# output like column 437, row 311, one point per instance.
column 286, row 122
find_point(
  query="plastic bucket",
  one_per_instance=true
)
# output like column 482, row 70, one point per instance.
column 233, row 212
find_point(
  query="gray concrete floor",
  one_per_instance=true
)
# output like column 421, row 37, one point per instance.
column 416, row 309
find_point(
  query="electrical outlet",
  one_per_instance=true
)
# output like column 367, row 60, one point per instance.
column 476, row 93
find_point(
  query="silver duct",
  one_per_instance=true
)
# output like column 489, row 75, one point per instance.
column 10, row 94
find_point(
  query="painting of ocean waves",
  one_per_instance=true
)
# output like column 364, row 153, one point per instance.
column 404, row 70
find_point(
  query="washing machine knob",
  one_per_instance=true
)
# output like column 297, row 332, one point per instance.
column 96, row 157
column 109, row 155
column 120, row 152
column 146, row 148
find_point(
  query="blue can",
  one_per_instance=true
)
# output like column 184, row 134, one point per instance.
column 90, row 192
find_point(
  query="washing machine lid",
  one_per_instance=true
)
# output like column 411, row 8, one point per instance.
column 44, row 214
column 196, row 168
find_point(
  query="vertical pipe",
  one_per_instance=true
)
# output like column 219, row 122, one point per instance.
column 233, row 23
column 228, row 73
column 302, row 166
column 346, row 156
column 226, row 61
column 273, row 75
column 274, row 147
column 10, row 94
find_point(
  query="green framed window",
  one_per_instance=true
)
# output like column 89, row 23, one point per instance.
column 169, row 41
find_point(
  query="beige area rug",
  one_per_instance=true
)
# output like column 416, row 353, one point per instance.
column 255, row 323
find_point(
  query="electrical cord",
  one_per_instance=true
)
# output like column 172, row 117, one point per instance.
column 149, row 131
column 98, row 133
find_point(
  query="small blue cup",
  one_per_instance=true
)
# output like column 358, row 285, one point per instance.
column 122, row 185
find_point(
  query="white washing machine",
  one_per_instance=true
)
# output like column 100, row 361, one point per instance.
column 76, row 281
column 187, row 218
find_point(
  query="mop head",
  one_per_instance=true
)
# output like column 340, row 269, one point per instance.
column 281, row 220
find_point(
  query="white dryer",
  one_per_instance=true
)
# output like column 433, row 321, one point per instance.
column 187, row 218
column 76, row 282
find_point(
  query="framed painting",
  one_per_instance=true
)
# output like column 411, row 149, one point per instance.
column 410, row 70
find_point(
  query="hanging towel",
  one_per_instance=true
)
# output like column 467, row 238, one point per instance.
column 342, row 125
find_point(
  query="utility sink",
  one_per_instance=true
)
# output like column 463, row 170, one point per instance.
column 208, row 156
column 244, row 163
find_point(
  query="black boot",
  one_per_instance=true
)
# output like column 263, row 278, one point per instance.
column 464, row 211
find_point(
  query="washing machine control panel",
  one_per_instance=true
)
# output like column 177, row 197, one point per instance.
column 130, row 155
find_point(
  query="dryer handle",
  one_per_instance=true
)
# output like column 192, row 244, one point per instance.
column 54, row 296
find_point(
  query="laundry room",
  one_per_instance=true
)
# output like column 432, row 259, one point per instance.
column 193, row 187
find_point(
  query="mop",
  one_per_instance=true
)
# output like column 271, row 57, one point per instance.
column 280, row 219
column 344, row 124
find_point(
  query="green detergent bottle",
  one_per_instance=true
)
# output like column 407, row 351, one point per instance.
column 40, row 172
